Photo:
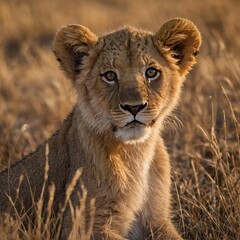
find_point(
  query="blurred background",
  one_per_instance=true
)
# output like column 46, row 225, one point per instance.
column 203, row 135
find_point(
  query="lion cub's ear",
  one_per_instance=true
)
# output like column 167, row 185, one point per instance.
column 179, row 40
column 70, row 45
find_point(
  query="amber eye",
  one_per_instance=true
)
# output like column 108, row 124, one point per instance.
column 152, row 73
column 109, row 76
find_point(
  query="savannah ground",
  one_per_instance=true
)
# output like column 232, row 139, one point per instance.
column 203, row 138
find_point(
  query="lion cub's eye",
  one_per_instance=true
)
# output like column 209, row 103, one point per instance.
column 109, row 77
column 152, row 73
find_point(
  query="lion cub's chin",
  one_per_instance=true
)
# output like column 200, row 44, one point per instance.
column 133, row 135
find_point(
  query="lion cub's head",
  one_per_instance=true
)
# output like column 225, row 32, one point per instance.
column 128, row 80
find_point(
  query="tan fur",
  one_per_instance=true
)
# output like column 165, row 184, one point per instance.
column 125, row 166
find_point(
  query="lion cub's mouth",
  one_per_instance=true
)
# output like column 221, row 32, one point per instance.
column 132, row 132
column 134, row 123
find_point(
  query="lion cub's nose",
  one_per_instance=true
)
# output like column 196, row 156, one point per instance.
column 133, row 109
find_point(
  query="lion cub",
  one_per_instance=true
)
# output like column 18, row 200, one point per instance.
column 127, row 82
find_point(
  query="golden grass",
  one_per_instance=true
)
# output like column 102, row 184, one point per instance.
column 35, row 97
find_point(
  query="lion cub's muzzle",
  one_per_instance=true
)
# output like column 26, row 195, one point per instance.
column 132, row 121
column 133, row 112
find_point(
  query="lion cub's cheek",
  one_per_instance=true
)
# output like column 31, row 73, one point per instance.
column 133, row 135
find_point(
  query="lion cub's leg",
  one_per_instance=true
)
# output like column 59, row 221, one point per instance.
column 166, row 232
column 158, row 204
column 154, row 220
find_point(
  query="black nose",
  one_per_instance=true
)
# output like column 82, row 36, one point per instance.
column 133, row 109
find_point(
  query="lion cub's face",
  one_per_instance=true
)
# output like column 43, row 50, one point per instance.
column 128, row 80
column 131, row 83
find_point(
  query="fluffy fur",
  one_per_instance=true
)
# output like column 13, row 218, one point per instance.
column 113, row 132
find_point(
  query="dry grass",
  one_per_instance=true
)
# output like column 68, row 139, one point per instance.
column 35, row 98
